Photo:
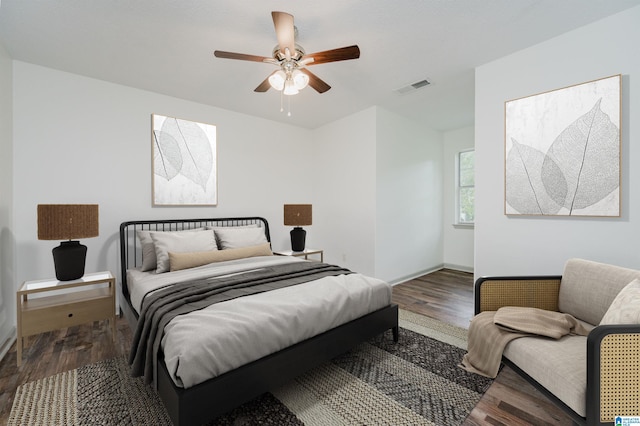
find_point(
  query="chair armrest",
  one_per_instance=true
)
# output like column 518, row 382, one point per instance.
column 613, row 373
column 491, row 293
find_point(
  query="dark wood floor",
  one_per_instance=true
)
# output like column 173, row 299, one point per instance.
column 445, row 295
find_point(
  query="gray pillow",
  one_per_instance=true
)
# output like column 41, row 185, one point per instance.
column 149, row 261
column 235, row 237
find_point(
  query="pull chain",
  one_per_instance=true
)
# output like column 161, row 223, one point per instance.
column 281, row 102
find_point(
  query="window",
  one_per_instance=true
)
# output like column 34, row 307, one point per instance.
column 465, row 188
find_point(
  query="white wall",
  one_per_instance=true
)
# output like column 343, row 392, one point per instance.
column 409, row 194
column 7, row 246
column 526, row 245
column 80, row 140
column 342, row 180
column 458, row 239
column 376, row 189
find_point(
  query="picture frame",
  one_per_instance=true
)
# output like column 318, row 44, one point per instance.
column 184, row 162
column 562, row 151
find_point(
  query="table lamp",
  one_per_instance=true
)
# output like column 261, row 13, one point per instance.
column 297, row 215
column 68, row 222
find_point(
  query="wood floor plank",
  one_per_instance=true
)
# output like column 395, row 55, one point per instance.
column 445, row 295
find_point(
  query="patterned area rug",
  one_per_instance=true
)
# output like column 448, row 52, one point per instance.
column 413, row 382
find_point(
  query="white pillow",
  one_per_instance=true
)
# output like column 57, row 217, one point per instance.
column 234, row 237
column 179, row 242
column 625, row 308
column 148, row 247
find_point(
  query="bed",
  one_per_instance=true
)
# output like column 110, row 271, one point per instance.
column 192, row 398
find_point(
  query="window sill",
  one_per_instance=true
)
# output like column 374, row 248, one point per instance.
column 464, row 225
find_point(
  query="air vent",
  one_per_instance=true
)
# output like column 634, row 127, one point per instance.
column 413, row 87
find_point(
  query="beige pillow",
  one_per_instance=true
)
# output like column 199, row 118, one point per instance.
column 180, row 261
column 625, row 308
column 166, row 242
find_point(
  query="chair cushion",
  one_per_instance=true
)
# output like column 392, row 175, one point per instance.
column 588, row 288
column 560, row 366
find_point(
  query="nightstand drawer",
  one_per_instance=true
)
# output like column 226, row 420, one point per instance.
column 38, row 319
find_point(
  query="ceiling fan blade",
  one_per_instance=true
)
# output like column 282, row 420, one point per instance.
column 283, row 23
column 265, row 85
column 334, row 55
column 314, row 81
column 240, row 56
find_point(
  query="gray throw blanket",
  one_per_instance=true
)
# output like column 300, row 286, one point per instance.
column 490, row 332
column 161, row 306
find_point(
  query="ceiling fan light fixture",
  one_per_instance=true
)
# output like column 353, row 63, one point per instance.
column 292, row 60
column 277, row 80
column 300, row 79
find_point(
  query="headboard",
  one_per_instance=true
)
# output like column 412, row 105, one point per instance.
column 131, row 252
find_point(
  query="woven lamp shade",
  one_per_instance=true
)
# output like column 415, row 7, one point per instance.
column 67, row 221
column 297, row 214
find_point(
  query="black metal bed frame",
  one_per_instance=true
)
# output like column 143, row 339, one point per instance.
column 214, row 397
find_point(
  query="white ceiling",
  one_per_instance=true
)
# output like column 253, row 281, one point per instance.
column 167, row 47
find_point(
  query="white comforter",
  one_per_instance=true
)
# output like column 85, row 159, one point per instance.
column 209, row 342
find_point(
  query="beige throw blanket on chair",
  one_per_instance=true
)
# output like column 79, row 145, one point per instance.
column 489, row 333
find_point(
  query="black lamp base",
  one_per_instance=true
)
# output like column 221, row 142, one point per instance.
column 298, row 235
column 69, row 259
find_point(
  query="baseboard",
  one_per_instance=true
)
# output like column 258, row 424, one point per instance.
column 415, row 275
column 460, row 268
column 7, row 342
column 430, row 270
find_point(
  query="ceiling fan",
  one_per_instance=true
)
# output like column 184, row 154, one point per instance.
column 292, row 61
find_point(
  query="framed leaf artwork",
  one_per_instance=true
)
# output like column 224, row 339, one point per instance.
column 562, row 151
column 184, row 162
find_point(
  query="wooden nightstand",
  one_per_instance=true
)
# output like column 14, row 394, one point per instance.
column 306, row 253
column 97, row 301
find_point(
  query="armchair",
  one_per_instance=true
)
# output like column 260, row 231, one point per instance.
column 593, row 378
